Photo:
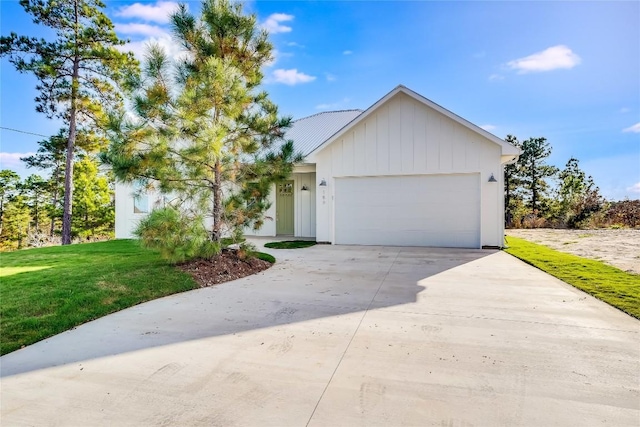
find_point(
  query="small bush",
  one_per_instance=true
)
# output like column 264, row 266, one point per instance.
column 534, row 221
column 625, row 213
column 176, row 236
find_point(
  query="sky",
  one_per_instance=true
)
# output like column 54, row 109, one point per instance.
column 566, row 71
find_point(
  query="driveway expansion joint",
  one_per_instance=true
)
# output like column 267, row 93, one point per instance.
column 353, row 336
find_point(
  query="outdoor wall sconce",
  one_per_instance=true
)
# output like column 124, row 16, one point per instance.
column 305, row 188
column 492, row 179
column 323, row 183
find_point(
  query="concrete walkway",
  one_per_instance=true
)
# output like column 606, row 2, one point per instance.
column 344, row 336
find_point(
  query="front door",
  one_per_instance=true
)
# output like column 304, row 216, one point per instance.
column 284, row 208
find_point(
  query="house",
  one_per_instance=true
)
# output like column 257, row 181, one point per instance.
column 404, row 172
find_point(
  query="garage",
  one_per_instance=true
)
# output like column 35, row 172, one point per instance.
column 417, row 210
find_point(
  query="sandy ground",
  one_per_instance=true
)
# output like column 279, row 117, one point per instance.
column 620, row 248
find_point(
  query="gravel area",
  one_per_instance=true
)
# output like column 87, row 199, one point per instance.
column 620, row 248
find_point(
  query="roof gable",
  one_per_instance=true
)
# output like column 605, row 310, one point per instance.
column 507, row 149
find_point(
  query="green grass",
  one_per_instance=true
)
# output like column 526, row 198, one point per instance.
column 265, row 257
column 290, row 244
column 611, row 285
column 46, row 291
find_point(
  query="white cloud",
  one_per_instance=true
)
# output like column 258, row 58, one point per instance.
column 294, row 44
column 635, row 188
column 334, row 106
column 479, row 55
column 172, row 49
column 141, row 29
column 624, row 110
column 158, row 12
column 276, row 55
column 553, row 58
column 347, row 52
column 273, row 23
column 495, row 77
column 633, row 129
column 489, row 128
column 330, row 77
column 291, row 77
column 12, row 160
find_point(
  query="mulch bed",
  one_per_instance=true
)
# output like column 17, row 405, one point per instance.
column 223, row 268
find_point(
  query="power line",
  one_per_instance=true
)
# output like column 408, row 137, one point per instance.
column 24, row 131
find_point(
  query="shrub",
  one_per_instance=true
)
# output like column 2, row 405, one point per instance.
column 176, row 236
column 625, row 213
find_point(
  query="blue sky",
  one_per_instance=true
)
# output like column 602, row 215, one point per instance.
column 568, row 71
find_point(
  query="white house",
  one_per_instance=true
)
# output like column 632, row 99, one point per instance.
column 404, row 172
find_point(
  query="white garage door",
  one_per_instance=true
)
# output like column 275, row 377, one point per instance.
column 424, row 210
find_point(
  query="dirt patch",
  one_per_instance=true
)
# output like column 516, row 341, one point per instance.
column 223, row 268
column 619, row 248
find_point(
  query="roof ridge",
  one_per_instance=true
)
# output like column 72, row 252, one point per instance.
column 327, row 112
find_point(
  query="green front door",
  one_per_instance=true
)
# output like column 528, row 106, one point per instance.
column 284, row 208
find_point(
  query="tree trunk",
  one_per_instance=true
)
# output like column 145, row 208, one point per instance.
column 68, row 173
column 217, row 202
column 68, row 184
column 54, row 202
column 71, row 141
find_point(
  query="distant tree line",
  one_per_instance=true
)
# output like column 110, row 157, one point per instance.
column 540, row 195
column 31, row 209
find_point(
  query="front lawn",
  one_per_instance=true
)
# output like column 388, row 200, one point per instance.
column 611, row 285
column 46, row 291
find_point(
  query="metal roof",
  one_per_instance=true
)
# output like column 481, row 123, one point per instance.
column 310, row 132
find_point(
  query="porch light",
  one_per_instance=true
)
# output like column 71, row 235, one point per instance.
column 492, row 179
column 323, row 183
column 305, row 188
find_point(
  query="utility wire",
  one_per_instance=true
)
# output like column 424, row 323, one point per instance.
column 24, row 131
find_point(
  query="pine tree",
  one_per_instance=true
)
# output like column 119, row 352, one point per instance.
column 51, row 157
column 34, row 189
column 512, row 184
column 534, row 172
column 209, row 135
column 9, row 186
column 94, row 212
column 578, row 196
column 16, row 221
column 78, row 72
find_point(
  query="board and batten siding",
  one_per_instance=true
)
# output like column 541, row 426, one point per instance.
column 406, row 137
column 304, row 209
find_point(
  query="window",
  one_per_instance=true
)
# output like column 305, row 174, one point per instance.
column 140, row 198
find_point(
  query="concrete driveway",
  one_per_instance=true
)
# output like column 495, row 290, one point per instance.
column 344, row 336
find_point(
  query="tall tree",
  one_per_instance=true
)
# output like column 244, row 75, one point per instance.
column 577, row 195
column 512, row 184
column 93, row 199
column 9, row 185
column 16, row 222
column 208, row 135
column 34, row 189
column 534, row 172
column 51, row 157
column 78, row 71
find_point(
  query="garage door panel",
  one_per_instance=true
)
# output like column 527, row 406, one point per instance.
column 426, row 210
